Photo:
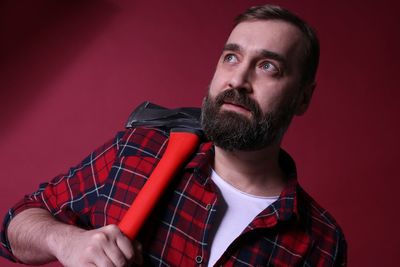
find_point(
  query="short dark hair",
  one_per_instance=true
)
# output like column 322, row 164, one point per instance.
column 272, row 12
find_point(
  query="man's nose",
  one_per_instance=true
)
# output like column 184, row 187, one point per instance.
column 241, row 78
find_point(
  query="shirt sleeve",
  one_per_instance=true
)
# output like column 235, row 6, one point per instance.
column 70, row 196
column 341, row 259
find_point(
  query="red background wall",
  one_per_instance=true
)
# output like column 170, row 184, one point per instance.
column 72, row 71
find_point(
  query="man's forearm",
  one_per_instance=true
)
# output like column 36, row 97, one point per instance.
column 35, row 236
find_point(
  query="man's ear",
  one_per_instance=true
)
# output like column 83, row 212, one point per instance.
column 305, row 98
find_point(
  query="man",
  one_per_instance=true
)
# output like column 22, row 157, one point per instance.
column 236, row 202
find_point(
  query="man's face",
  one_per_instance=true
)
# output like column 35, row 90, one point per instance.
column 256, row 88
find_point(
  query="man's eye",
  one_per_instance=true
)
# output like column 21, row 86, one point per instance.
column 230, row 58
column 268, row 66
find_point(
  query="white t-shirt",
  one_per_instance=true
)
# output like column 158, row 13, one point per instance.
column 240, row 210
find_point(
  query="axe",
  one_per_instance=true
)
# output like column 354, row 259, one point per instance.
column 185, row 135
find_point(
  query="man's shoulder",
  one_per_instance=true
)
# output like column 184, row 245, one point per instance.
column 327, row 237
column 321, row 224
column 142, row 141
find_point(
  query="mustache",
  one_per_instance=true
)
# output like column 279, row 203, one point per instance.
column 240, row 98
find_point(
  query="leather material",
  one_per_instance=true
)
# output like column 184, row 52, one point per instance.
column 179, row 119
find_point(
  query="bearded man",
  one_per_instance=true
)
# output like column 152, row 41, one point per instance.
column 237, row 202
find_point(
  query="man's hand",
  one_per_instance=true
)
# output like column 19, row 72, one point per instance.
column 36, row 238
column 106, row 246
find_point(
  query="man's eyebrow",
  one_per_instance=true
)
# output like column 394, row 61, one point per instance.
column 232, row 47
column 272, row 55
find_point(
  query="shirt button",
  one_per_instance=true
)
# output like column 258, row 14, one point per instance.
column 208, row 207
column 199, row 259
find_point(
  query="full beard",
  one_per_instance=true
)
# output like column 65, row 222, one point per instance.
column 234, row 131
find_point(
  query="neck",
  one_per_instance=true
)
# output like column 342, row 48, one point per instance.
column 253, row 172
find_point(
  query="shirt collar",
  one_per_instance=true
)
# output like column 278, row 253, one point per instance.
column 283, row 209
column 200, row 162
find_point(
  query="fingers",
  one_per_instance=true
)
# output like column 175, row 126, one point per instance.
column 132, row 250
column 101, row 253
column 119, row 249
column 115, row 255
column 125, row 246
column 103, row 247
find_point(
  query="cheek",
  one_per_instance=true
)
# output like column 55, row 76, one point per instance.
column 217, row 84
column 267, row 95
column 272, row 95
column 268, row 105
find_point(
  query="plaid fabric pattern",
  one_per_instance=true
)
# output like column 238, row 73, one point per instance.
column 293, row 231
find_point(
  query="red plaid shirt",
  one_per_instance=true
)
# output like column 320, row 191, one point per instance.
column 293, row 231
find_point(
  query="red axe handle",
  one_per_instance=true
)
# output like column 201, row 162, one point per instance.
column 180, row 146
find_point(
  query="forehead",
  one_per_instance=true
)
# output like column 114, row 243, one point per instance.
column 273, row 35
